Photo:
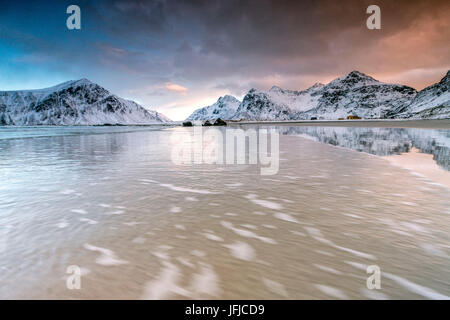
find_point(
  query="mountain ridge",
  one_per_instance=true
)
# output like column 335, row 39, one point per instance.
column 355, row 94
column 433, row 102
column 223, row 108
column 73, row 102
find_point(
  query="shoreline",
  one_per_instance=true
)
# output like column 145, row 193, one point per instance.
column 383, row 123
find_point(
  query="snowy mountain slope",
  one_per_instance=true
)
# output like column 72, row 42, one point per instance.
column 433, row 102
column 224, row 108
column 277, row 103
column 361, row 95
column 78, row 102
column 257, row 105
column 353, row 94
column 298, row 101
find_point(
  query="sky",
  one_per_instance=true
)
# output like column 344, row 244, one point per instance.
column 177, row 56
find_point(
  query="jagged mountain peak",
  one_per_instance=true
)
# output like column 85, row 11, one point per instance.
column 316, row 85
column 446, row 78
column 358, row 74
column 82, row 81
column 227, row 97
column 275, row 88
column 72, row 83
column 433, row 102
column 224, row 108
column 74, row 102
column 278, row 90
column 60, row 86
column 355, row 78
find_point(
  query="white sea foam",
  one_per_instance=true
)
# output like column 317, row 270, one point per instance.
column 185, row 262
column 325, row 253
column 275, row 287
column 175, row 209
column 331, row 291
column 264, row 203
column 298, row 233
column 183, row 189
column 356, row 253
column 352, row 215
column 165, row 284
column 327, row 269
column 89, row 221
column 206, row 282
column 79, row 211
column 233, row 185
column 147, row 180
column 67, row 191
column 408, row 203
column 285, row 217
column 107, row 257
column 139, row 240
column 415, row 227
column 231, row 214
column 259, row 213
column 213, row 237
column 62, row 225
column 131, row 223
column 246, row 233
column 316, row 234
column 198, row 253
column 434, row 250
column 117, row 212
column 241, row 250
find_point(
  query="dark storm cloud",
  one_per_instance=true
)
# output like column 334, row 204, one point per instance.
column 139, row 46
column 210, row 39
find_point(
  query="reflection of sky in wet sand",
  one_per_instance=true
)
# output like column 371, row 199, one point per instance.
column 381, row 141
column 141, row 227
column 421, row 164
column 424, row 152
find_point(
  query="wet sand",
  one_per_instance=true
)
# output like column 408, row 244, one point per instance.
column 140, row 227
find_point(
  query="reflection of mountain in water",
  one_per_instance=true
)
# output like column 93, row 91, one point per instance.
column 381, row 141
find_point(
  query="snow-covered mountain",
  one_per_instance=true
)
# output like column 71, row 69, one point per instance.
column 433, row 102
column 224, row 108
column 354, row 94
column 79, row 102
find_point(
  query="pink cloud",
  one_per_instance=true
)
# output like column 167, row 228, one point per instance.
column 176, row 88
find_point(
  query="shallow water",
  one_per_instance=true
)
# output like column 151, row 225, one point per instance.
column 111, row 202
